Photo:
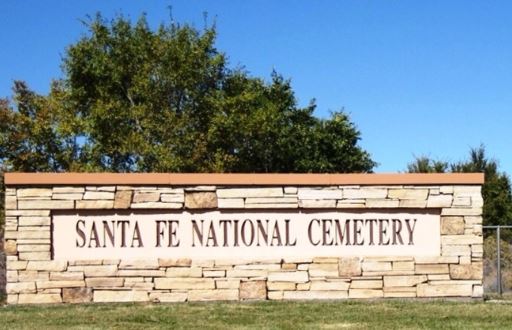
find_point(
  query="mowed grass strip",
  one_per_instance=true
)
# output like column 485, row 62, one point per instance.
column 262, row 315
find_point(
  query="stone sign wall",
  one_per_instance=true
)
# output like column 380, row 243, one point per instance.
column 55, row 255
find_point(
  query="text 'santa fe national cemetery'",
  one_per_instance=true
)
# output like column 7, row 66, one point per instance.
column 79, row 238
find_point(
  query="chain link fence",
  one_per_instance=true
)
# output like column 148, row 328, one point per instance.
column 498, row 261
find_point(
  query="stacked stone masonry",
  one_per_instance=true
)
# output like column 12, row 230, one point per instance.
column 33, row 277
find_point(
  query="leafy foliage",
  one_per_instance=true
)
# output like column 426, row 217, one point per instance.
column 134, row 99
column 496, row 191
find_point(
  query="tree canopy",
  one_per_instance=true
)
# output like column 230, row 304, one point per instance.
column 496, row 190
column 136, row 99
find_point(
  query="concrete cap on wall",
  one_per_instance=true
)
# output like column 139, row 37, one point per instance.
column 242, row 179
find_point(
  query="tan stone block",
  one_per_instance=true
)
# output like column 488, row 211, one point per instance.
column 403, row 265
column 249, row 192
column 436, row 201
column 34, row 192
column 20, row 287
column 324, row 203
column 68, row 190
column 438, row 277
column 319, row 194
column 375, row 203
column 11, row 276
column 304, row 286
column 99, row 195
column 364, row 193
column 461, row 211
column 326, row 260
column 67, row 196
column 450, row 290
column 411, row 203
column 12, row 299
column 230, row 262
column 44, row 204
column 365, row 293
column 185, row 262
column 399, row 294
column 330, row 285
column 272, row 206
column 323, row 270
column 168, row 296
column 271, row 200
column 461, row 239
column 410, row 194
column 44, row 241
column 123, row 199
column 456, row 250
column 290, row 190
column 120, row 296
column 231, row 283
column 213, row 295
column 246, row 273
column 33, row 248
column 349, row 267
column 351, row 203
column 455, row 282
column 184, row 272
column 436, row 260
column 307, row 295
column 478, row 291
column 77, row 295
column 10, row 248
column 366, row 284
column 214, row 273
column 33, row 275
column 431, row 269
column 297, row 260
column 90, row 262
column 142, row 197
column 388, row 273
column 34, row 221
column 42, row 234
column 472, row 271
column 280, row 286
column 95, row 271
column 139, row 264
column 286, row 266
column 34, row 255
column 462, row 201
column 172, row 198
column 201, row 200
column 258, row 266
column 473, row 220
column 95, row 204
column 97, row 282
column 403, row 281
column 275, row 295
column 201, row 188
column 66, row 276
column 292, row 276
column 373, row 266
column 250, row 290
column 59, row 284
column 452, row 225
column 184, row 283
column 51, row 266
column 39, row 298
column 230, row 203
column 27, row 213
column 156, row 205
column 141, row 272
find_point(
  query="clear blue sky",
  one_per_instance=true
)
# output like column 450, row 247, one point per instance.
column 417, row 77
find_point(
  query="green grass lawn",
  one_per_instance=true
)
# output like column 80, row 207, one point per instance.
column 270, row 315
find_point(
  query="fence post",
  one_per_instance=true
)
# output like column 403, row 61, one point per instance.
column 498, row 236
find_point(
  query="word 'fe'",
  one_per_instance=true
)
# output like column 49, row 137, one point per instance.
column 246, row 233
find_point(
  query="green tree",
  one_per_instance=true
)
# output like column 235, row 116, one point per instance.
column 496, row 190
column 136, row 99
